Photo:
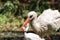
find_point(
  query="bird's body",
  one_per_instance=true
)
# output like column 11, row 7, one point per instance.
column 47, row 17
column 48, row 21
column 50, row 17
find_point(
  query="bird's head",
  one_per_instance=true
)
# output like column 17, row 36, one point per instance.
column 31, row 15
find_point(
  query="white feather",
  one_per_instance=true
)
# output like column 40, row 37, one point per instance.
column 31, row 36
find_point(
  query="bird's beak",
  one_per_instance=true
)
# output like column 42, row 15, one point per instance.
column 24, row 24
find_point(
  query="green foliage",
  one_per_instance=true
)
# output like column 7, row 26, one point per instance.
column 9, row 5
column 9, row 23
column 2, row 19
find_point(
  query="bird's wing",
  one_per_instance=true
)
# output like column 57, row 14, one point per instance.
column 44, row 19
column 49, row 17
column 55, row 22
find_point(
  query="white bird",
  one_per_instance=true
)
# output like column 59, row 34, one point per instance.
column 48, row 20
column 31, row 36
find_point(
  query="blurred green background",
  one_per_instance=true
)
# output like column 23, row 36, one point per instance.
column 14, row 12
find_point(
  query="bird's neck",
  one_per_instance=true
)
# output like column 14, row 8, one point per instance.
column 34, row 24
column 34, row 21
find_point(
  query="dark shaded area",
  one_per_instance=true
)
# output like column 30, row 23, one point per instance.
column 15, row 38
column 3, row 0
column 55, row 37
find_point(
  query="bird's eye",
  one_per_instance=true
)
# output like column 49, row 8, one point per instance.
column 31, row 16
